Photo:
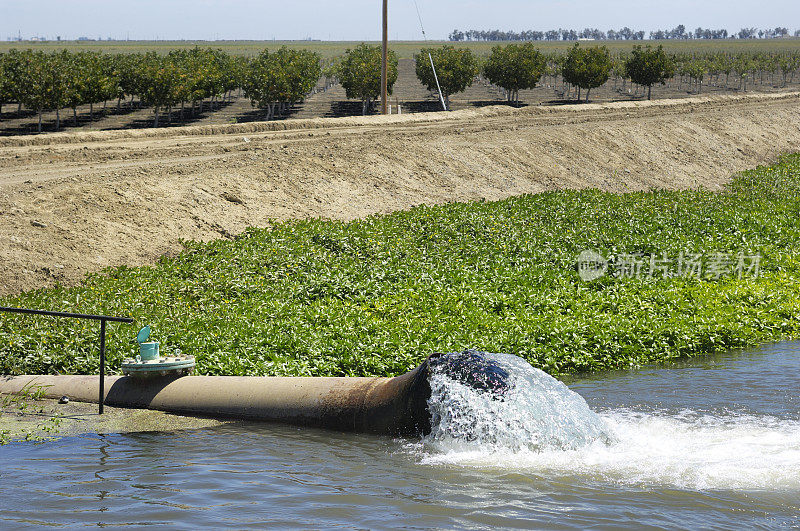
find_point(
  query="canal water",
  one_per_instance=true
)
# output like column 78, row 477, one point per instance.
column 712, row 443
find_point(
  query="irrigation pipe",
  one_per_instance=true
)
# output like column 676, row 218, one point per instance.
column 385, row 406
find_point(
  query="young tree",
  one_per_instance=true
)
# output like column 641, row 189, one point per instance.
column 788, row 63
column 125, row 70
column 587, row 68
column 14, row 69
column 159, row 82
column 90, row 79
column 41, row 83
column 741, row 67
column 4, row 83
column 303, row 69
column 281, row 78
column 515, row 67
column 456, row 69
column 75, row 85
column 360, row 74
column 647, row 67
column 262, row 84
column 696, row 69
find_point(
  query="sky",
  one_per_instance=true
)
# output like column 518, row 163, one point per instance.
column 360, row 19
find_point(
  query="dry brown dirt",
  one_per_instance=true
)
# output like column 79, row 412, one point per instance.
column 73, row 203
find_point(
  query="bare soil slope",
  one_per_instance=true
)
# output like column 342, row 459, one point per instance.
column 73, row 203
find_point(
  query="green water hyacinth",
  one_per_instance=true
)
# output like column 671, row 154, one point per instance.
column 376, row 296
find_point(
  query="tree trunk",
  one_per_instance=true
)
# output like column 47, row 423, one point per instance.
column 119, row 104
column 75, row 115
column 91, row 111
column 579, row 93
column 40, row 120
column 587, row 94
column 155, row 122
column 649, row 91
column 183, row 105
column 58, row 119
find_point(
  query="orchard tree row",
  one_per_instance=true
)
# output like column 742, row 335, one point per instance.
column 516, row 67
column 274, row 81
column 64, row 80
column 183, row 78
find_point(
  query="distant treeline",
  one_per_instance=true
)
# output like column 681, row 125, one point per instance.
column 625, row 34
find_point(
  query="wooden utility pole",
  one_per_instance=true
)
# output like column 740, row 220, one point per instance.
column 385, row 61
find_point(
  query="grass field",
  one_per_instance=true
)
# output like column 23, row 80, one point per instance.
column 404, row 49
column 375, row 296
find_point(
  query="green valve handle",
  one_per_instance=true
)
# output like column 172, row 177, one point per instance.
column 143, row 335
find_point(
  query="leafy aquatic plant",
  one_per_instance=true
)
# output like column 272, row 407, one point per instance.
column 375, row 296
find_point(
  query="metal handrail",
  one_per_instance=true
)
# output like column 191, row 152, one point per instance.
column 103, row 320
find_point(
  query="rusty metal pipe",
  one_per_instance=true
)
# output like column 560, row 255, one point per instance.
column 389, row 406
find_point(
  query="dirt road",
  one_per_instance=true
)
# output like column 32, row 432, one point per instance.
column 73, row 203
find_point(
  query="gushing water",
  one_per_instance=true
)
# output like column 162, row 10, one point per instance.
column 526, row 410
column 538, row 425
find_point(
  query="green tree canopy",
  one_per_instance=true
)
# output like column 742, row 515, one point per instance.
column 587, row 68
column 360, row 73
column 5, row 85
column 648, row 66
column 281, row 78
column 455, row 67
column 515, row 67
column 14, row 70
column 41, row 82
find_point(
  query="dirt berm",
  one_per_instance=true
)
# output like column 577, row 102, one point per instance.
column 75, row 203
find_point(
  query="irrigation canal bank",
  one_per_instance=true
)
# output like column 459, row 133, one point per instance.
column 74, row 203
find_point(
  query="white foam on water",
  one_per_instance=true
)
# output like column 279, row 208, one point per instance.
column 543, row 428
column 538, row 412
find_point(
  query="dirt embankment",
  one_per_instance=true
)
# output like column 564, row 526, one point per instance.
column 74, row 203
